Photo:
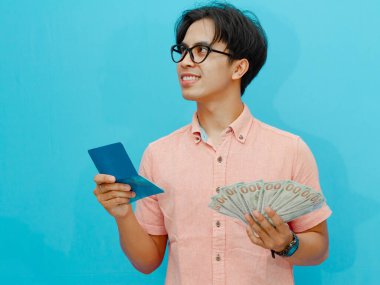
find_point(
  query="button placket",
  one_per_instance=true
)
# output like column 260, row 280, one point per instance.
column 218, row 221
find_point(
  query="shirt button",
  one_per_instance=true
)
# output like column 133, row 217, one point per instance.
column 241, row 137
column 217, row 189
column 220, row 159
column 218, row 257
column 218, row 224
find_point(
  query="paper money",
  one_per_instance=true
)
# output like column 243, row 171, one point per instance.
column 287, row 198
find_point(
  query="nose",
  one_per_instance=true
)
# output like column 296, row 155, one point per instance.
column 186, row 61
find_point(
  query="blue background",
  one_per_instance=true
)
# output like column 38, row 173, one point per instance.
column 80, row 74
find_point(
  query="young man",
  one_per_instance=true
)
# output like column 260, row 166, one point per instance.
column 219, row 50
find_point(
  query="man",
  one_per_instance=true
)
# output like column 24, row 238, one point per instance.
column 219, row 50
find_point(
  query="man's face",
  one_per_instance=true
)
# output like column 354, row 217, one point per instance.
column 204, row 81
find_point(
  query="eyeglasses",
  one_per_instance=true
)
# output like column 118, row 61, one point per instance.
column 198, row 53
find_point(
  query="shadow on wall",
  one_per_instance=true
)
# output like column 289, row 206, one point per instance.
column 349, row 211
column 348, row 208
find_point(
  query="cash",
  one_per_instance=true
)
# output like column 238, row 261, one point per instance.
column 287, row 198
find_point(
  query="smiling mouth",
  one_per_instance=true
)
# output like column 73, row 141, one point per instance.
column 190, row 78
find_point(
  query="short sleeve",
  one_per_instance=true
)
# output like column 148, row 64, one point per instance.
column 148, row 211
column 305, row 171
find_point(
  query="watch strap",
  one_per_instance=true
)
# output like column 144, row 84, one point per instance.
column 290, row 249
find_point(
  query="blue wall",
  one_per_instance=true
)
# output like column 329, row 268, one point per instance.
column 80, row 74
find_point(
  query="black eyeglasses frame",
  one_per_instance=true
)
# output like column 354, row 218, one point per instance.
column 190, row 51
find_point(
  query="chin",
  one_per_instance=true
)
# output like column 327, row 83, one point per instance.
column 191, row 97
column 200, row 98
column 195, row 94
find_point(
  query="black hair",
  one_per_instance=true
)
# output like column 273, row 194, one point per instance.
column 239, row 30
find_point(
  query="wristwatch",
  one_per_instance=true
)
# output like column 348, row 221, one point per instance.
column 290, row 249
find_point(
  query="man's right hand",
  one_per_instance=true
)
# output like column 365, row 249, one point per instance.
column 114, row 197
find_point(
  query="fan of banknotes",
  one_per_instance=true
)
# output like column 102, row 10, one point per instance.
column 288, row 198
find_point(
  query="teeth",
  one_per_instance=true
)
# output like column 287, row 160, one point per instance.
column 189, row 78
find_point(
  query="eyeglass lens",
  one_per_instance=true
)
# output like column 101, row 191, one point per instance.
column 198, row 53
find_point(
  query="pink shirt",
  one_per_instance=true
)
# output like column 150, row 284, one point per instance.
column 206, row 247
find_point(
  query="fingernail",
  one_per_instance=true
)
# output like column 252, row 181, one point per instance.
column 111, row 178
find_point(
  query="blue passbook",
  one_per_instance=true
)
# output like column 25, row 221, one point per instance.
column 113, row 160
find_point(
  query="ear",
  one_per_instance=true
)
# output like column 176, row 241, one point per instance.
column 239, row 68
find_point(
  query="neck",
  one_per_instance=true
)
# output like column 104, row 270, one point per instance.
column 215, row 116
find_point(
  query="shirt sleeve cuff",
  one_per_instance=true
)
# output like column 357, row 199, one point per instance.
column 310, row 220
column 153, row 229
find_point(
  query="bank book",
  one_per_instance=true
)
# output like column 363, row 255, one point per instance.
column 114, row 160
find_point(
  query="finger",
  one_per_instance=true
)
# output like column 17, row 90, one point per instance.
column 253, row 237
column 278, row 222
column 249, row 219
column 251, row 222
column 284, row 235
column 256, row 227
column 114, row 187
column 266, row 225
column 115, row 194
column 115, row 202
column 104, row 178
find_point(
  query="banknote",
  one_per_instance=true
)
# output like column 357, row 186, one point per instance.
column 225, row 205
column 215, row 205
column 289, row 199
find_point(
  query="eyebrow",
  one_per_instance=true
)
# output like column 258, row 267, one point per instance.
column 197, row 44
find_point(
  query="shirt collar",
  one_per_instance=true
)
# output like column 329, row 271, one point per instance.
column 196, row 128
column 240, row 127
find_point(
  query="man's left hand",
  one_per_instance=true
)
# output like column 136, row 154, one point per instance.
column 262, row 233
